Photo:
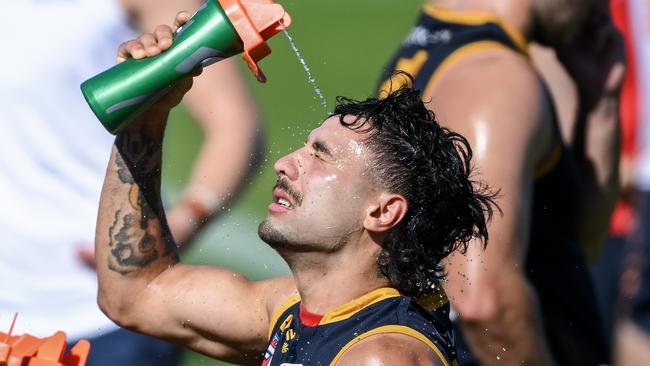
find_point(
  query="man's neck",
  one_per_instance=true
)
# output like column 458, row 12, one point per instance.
column 517, row 13
column 328, row 280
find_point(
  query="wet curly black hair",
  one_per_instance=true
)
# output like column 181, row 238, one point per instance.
column 429, row 165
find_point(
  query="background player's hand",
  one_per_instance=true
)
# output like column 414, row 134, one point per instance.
column 86, row 254
column 153, row 121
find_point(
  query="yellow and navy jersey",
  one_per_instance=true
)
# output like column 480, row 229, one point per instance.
column 554, row 263
column 441, row 38
column 298, row 337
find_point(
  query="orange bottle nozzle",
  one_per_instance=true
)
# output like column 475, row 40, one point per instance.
column 256, row 21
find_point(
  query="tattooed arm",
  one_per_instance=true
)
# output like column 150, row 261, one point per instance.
column 142, row 284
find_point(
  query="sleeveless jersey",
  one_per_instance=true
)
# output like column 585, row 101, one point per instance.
column 297, row 338
column 555, row 263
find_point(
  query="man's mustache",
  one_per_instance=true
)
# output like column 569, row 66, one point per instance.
column 284, row 185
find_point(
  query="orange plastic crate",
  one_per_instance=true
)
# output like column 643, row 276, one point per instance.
column 27, row 350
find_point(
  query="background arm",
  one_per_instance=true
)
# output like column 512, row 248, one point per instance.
column 495, row 100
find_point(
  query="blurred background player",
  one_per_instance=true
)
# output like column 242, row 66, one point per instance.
column 529, row 297
column 632, row 330
column 54, row 156
column 607, row 268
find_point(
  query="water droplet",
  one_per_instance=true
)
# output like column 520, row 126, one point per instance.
column 330, row 178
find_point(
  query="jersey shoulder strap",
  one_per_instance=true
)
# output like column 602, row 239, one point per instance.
column 441, row 38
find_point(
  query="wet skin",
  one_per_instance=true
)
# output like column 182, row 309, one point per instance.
column 328, row 175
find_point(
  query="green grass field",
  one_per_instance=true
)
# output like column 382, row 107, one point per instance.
column 346, row 45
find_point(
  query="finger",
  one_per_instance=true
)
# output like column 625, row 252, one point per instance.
column 164, row 36
column 122, row 53
column 181, row 18
column 132, row 48
column 150, row 44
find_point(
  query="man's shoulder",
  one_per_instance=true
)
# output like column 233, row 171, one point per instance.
column 391, row 349
column 499, row 87
column 408, row 336
column 499, row 71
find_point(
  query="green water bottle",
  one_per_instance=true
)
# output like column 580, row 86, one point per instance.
column 218, row 30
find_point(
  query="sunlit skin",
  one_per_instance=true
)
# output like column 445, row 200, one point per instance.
column 322, row 172
column 326, row 228
column 330, row 237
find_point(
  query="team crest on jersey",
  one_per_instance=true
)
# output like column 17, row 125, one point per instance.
column 273, row 345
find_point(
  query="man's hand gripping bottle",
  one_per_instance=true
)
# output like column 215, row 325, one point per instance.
column 218, row 30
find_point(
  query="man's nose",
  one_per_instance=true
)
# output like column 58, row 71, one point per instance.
column 288, row 165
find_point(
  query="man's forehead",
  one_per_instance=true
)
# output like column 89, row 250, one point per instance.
column 337, row 137
column 333, row 125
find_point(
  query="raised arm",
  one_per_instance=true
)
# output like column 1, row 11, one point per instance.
column 142, row 284
column 222, row 105
column 496, row 102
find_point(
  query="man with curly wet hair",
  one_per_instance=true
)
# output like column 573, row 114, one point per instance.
column 363, row 214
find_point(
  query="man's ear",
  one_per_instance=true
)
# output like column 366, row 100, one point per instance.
column 386, row 213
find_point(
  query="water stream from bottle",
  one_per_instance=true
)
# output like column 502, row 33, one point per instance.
column 310, row 77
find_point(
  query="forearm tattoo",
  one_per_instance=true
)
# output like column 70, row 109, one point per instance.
column 139, row 234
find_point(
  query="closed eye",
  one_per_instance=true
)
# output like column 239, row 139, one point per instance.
column 320, row 147
column 320, row 150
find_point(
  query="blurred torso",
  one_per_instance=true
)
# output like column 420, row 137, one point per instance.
column 53, row 158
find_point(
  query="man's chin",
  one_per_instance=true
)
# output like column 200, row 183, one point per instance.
column 270, row 234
